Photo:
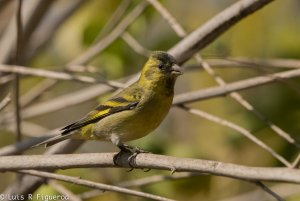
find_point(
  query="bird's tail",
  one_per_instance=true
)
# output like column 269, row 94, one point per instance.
column 54, row 140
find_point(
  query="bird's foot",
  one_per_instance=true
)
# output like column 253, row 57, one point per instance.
column 133, row 151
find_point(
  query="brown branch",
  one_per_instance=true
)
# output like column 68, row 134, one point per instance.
column 135, row 45
column 64, row 191
column 106, row 41
column 152, row 161
column 46, row 30
column 32, row 183
column 86, row 183
column 141, row 182
column 212, row 29
column 55, row 75
column 269, row 191
column 254, row 62
column 6, row 100
column 239, row 129
column 115, row 18
column 235, row 86
column 17, row 60
column 286, row 190
column 33, row 12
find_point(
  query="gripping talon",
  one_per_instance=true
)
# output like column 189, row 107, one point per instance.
column 134, row 151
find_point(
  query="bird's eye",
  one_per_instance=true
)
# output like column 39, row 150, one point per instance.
column 160, row 66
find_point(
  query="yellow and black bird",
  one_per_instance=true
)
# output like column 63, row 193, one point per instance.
column 134, row 112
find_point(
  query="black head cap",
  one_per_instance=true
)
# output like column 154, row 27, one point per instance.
column 164, row 57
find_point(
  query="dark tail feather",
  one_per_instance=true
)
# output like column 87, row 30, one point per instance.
column 54, row 140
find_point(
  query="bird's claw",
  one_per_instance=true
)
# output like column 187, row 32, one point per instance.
column 134, row 151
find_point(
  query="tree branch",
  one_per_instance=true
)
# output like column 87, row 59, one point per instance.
column 22, row 70
column 6, row 100
column 212, row 29
column 235, row 86
column 152, row 161
column 91, row 184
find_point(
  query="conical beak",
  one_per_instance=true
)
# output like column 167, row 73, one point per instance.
column 176, row 70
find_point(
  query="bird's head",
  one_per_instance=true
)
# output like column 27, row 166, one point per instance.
column 161, row 68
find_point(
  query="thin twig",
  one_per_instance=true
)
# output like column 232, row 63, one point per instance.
column 106, row 41
column 141, row 182
column 64, row 191
column 269, row 191
column 18, row 57
column 296, row 162
column 100, row 186
column 115, row 18
column 234, row 86
column 32, row 13
column 55, row 75
column 216, row 26
column 35, row 92
column 135, row 45
column 46, row 30
column 274, row 63
column 239, row 129
column 5, row 102
column 285, row 190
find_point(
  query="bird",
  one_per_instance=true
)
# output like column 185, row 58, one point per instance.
column 132, row 113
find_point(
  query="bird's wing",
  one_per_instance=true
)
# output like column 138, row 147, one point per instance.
column 112, row 106
column 127, row 99
column 121, row 102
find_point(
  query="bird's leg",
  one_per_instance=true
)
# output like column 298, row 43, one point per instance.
column 124, row 148
column 134, row 151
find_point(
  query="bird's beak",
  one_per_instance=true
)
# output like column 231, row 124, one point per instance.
column 176, row 70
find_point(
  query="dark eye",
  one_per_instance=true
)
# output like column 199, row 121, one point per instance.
column 160, row 66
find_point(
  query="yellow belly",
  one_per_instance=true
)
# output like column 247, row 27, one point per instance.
column 130, row 124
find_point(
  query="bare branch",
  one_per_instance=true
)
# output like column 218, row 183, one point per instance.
column 32, row 183
column 106, row 41
column 5, row 102
column 136, row 46
column 296, row 162
column 212, row 29
column 115, row 17
column 235, row 86
column 64, row 191
column 285, row 190
column 55, row 75
column 100, row 186
column 269, row 191
column 141, row 182
column 239, row 129
column 33, row 12
column 255, row 62
column 56, row 16
column 17, row 60
column 152, row 161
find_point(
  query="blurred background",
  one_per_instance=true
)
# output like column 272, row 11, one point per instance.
column 68, row 28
